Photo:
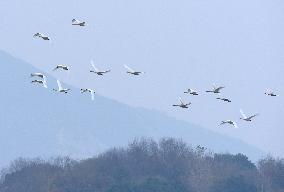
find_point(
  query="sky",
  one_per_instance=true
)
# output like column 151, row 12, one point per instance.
column 179, row 44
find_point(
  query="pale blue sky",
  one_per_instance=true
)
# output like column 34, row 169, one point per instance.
column 180, row 44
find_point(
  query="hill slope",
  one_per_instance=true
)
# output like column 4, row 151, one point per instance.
column 39, row 122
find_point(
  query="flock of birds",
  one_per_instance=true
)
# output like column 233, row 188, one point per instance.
column 217, row 90
column 41, row 80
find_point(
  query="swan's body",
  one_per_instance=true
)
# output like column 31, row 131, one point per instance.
column 40, row 75
column 96, row 70
column 63, row 67
column 91, row 91
column 215, row 89
column 60, row 88
column 40, row 35
column 191, row 92
column 224, row 99
column 229, row 122
column 182, row 104
column 246, row 118
column 132, row 72
column 78, row 23
column 270, row 93
column 41, row 82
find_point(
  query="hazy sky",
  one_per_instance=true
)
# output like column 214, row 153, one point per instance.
column 180, row 44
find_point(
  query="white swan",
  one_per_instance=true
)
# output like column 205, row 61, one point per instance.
column 215, row 89
column 40, row 75
column 224, row 99
column 229, row 122
column 79, row 23
column 91, row 91
column 132, row 72
column 246, row 118
column 96, row 70
column 41, row 82
column 270, row 93
column 182, row 104
column 63, row 67
column 60, row 88
column 191, row 92
column 40, row 35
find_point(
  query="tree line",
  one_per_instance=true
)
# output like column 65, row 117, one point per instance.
column 169, row 165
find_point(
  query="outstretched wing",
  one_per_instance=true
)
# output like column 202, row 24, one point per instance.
column 44, row 83
column 59, row 85
column 180, row 100
column 92, row 94
column 243, row 114
column 214, row 86
column 253, row 116
column 93, row 65
column 129, row 69
column 219, row 88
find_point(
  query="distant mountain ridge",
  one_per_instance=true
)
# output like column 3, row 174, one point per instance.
column 39, row 122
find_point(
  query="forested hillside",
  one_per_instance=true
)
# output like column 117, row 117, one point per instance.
column 169, row 165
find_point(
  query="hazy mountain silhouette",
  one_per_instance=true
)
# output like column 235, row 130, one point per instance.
column 40, row 122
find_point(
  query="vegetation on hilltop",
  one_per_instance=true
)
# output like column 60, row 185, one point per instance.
column 169, row 165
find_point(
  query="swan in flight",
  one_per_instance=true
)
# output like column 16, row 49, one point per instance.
column 191, row 92
column 246, row 118
column 182, row 104
column 229, row 122
column 96, row 70
column 270, row 93
column 41, row 82
column 79, row 23
column 215, row 89
column 90, row 91
column 63, row 67
column 40, row 75
column 40, row 35
column 132, row 72
column 60, row 89
column 224, row 99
